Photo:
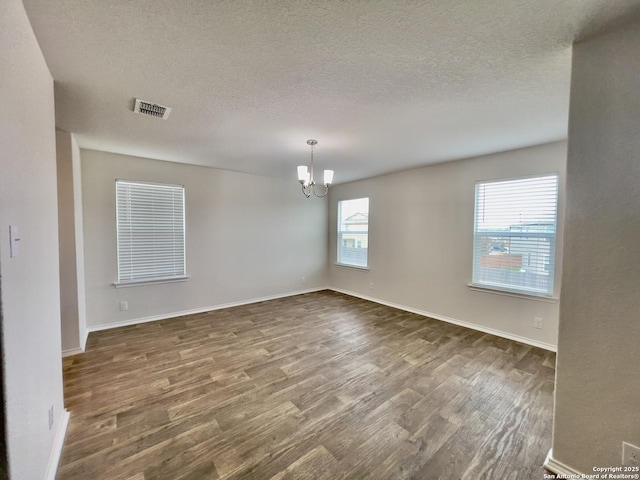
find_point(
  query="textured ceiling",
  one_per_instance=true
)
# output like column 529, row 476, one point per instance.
column 382, row 85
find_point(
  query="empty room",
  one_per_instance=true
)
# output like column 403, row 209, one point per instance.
column 319, row 239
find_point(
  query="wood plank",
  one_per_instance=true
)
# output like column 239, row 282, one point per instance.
column 314, row 386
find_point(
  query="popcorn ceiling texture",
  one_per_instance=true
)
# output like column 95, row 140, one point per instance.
column 383, row 86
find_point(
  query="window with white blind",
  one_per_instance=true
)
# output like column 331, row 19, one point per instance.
column 151, row 232
column 514, row 240
column 353, row 232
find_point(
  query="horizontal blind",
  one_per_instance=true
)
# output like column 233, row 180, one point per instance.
column 353, row 232
column 151, row 231
column 515, row 234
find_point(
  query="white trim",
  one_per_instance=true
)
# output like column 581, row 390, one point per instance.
column 355, row 267
column 71, row 352
column 462, row 323
column 512, row 293
column 560, row 468
column 138, row 283
column 81, row 349
column 164, row 316
column 83, row 341
column 58, row 443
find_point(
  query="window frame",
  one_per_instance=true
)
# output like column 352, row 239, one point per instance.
column 340, row 233
column 122, row 280
column 511, row 289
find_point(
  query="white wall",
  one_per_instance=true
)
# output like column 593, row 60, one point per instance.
column 421, row 238
column 597, row 388
column 248, row 237
column 30, row 285
column 71, row 240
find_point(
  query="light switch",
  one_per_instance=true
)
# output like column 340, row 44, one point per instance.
column 14, row 239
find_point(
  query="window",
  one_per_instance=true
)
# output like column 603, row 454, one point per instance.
column 353, row 232
column 151, row 232
column 514, row 240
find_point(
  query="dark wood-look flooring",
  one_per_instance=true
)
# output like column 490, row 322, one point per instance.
column 317, row 386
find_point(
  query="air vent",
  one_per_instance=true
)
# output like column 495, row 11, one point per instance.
column 151, row 109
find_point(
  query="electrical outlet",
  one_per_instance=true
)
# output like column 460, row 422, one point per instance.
column 630, row 455
column 51, row 417
column 124, row 306
column 303, row 280
column 370, row 285
column 537, row 322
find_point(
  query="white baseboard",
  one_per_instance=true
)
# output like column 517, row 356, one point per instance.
column 462, row 323
column 83, row 340
column 58, row 443
column 71, row 352
column 164, row 316
column 83, row 345
column 560, row 468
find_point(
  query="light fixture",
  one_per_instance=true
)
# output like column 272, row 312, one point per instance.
column 305, row 176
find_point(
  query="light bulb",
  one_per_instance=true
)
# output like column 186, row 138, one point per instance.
column 328, row 177
column 303, row 175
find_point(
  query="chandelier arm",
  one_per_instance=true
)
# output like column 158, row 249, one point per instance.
column 326, row 190
column 305, row 192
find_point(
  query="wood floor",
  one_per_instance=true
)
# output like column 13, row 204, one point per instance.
column 317, row 386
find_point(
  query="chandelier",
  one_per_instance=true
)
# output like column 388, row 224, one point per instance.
column 305, row 176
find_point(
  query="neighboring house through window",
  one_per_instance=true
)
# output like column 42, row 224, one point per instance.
column 150, row 231
column 515, row 234
column 353, row 232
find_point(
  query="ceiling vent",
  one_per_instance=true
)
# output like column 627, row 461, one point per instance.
column 151, row 109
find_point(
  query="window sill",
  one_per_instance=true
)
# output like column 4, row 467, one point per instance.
column 512, row 293
column 355, row 267
column 149, row 282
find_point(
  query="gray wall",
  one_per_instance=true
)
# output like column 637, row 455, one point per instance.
column 30, row 285
column 597, row 387
column 248, row 237
column 71, row 239
column 421, row 239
